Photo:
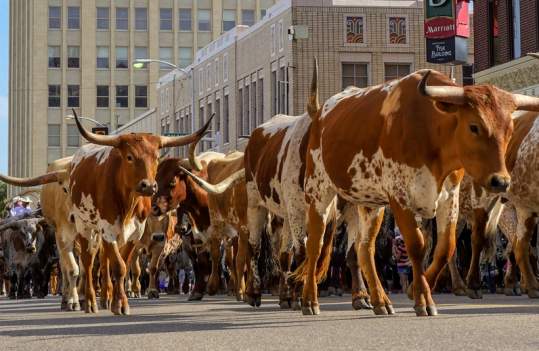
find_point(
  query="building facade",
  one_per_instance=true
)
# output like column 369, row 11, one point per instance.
column 505, row 31
column 77, row 54
column 248, row 75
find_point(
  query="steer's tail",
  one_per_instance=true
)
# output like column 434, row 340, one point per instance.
column 313, row 104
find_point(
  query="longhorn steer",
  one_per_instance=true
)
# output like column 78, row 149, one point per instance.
column 108, row 181
column 405, row 144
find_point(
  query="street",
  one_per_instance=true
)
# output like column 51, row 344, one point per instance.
column 220, row 323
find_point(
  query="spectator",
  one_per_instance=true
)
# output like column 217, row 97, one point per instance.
column 401, row 258
column 18, row 207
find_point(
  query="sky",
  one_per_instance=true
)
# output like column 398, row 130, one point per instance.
column 4, row 74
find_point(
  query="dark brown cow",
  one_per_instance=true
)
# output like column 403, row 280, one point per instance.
column 107, row 181
column 405, row 144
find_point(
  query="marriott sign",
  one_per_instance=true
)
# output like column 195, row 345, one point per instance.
column 447, row 31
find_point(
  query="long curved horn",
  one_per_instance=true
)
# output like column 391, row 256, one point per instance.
column 195, row 163
column 108, row 140
column 526, row 103
column 184, row 140
column 52, row 177
column 534, row 54
column 8, row 225
column 220, row 188
column 447, row 93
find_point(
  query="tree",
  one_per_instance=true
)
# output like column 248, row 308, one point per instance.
column 3, row 198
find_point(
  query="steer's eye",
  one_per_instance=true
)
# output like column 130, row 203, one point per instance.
column 129, row 158
column 474, row 129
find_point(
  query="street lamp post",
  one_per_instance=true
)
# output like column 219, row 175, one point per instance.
column 139, row 63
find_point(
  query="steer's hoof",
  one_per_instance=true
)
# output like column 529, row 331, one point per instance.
column 75, row 306
column 63, row 305
column 390, row 310
column 296, row 305
column 240, row 298
column 153, row 294
column 360, row 303
column 432, row 310
column 254, row 300
column 195, row 296
column 285, row 304
column 421, row 311
column 91, row 308
column 137, row 295
column 130, row 294
column 380, row 310
column 311, row 309
column 125, row 310
column 460, row 292
column 474, row 294
column 533, row 293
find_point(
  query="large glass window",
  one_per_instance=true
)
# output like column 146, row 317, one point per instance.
column 185, row 57
column 204, row 20
column 103, row 18
column 54, row 95
column 226, row 120
column 73, row 56
column 397, row 30
column 165, row 54
column 73, row 96
column 102, row 96
column 248, row 17
column 141, row 96
column 229, row 20
column 166, row 19
column 186, row 24
column 141, row 18
column 122, row 18
column 396, row 70
column 73, row 17
column 102, row 57
column 54, row 57
column 355, row 74
column 122, row 96
column 122, row 57
column 55, row 17
column 73, row 136
column 355, row 30
column 53, row 131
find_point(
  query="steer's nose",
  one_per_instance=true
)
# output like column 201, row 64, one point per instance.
column 31, row 249
column 499, row 183
column 146, row 187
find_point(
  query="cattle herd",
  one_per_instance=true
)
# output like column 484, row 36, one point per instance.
column 416, row 149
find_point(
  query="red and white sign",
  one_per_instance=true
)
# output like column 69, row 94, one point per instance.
column 440, row 28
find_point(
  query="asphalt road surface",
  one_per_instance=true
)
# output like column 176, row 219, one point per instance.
column 220, row 323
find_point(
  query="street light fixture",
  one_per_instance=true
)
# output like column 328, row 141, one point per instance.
column 139, row 63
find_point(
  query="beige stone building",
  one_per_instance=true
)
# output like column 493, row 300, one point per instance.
column 77, row 54
column 250, row 74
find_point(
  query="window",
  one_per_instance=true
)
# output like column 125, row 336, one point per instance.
column 263, row 13
column 102, row 96
column 240, row 110
column 260, row 108
column 211, row 134
column 55, row 17
column 247, row 17
column 185, row 20
column 217, row 118
column 225, row 67
column 102, row 57
column 254, row 106
column 103, row 18
column 226, row 120
column 280, row 37
column 121, row 57
column 282, row 88
column 201, row 121
column 122, row 18
column 216, row 72
column 122, row 96
column 53, row 131
column 273, row 43
column 467, row 74
column 73, row 56
column 397, row 30
column 246, row 110
column 73, row 17
column 165, row 54
column 54, row 95
column 141, row 52
column 355, row 30
column 355, row 74
column 73, row 94
column 73, row 136
column 141, row 96
column 54, row 57
column 185, row 57
column 274, row 96
column 229, row 20
column 166, row 19
column 141, row 18
column 396, row 70
column 204, row 24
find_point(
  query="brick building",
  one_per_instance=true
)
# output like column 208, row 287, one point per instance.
column 250, row 74
column 505, row 31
